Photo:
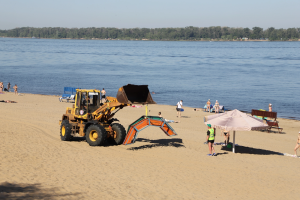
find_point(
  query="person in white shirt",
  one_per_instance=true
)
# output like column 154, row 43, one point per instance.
column 179, row 106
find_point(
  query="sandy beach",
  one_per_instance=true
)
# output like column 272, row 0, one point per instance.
column 36, row 164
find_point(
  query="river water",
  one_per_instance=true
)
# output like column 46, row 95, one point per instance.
column 240, row 75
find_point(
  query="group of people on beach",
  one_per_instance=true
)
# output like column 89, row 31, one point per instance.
column 211, row 131
column 3, row 89
column 208, row 107
column 216, row 106
column 210, row 139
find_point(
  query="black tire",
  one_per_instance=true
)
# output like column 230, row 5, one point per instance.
column 65, row 131
column 121, row 134
column 95, row 135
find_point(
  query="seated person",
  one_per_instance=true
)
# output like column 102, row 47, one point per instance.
column 84, row 106
column 169, row 121
column 85, row 102
column 8, row 101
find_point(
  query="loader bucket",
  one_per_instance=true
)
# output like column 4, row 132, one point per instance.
column 135, row 94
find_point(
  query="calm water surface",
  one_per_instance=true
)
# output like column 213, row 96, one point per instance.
column 241, row 75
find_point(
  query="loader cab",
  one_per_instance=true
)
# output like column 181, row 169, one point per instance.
column 86, row 101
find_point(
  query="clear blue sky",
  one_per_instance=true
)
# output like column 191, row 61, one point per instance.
column 149, row 13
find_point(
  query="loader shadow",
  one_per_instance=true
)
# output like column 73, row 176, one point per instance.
column 251, row 150
column 31, row 191
column 107, row 143
column 173, row 142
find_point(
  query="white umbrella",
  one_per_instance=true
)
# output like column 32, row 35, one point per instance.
column 235, row 120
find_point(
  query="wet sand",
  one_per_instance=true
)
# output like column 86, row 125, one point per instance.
column 36, row 164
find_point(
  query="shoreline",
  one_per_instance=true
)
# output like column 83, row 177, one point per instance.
column 20, row 94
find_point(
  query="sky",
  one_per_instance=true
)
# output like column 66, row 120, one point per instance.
column 149, row 13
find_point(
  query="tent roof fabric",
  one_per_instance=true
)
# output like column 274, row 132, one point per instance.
column 235, row 120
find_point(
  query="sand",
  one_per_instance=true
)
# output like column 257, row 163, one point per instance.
column 36, row 164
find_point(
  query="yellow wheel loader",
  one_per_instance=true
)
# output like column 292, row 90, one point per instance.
column 92, row 116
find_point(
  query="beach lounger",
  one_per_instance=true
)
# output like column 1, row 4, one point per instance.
column 221, row 108
column 274, row 124
column 69, row 94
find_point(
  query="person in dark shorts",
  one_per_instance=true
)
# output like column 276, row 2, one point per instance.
column 210, row 140
column 226, row 137
column 178, row 108
column 103, row 97
column 103, row 93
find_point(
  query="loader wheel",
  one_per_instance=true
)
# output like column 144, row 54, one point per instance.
column 65, row 131
column 95, row 135
column 120, row 134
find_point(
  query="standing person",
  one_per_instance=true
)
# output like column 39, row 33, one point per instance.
column 210, row 140
column 208, row 105
column 270, row 107
column 217, row 107
column 226, row 136
column 8, row 86
column 103, row 93
column 297, row 145
column 179, row 106
column 16, row 89
column 1, row 86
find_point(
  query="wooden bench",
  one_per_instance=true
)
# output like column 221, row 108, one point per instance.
column 263, row 114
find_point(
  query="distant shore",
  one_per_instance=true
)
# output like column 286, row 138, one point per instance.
column 145, row 39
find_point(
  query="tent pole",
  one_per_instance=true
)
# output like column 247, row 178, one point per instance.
column 233, row 146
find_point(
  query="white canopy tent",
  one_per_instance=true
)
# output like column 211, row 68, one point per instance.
column 235, row 120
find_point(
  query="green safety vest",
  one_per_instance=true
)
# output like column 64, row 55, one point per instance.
column 212, row 134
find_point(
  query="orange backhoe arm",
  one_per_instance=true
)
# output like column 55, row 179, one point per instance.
column 142, row 123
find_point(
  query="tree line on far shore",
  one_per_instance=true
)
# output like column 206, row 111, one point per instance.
column 187, row 33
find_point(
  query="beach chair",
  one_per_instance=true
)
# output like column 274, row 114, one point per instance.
column 71, row 98
column 204, row 108
column 69, row 94
column 221, row 108
column 274, row 124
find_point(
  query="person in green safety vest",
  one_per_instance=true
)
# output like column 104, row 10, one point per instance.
column 210, row 140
